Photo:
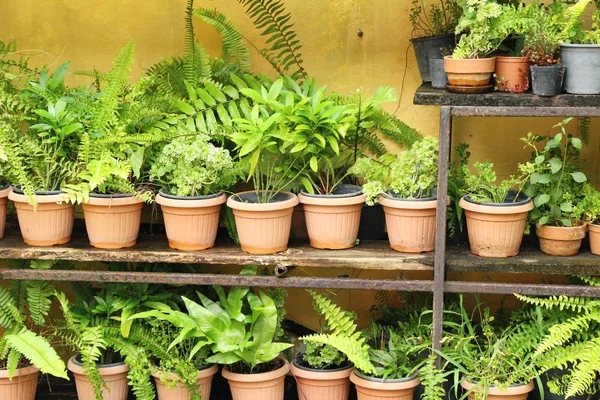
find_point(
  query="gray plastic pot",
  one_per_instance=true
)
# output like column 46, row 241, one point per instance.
column 431, row 47
column 583, row 65
column 439, row 77
column 547, row 80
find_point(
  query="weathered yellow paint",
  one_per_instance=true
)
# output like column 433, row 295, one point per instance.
column 91, row 32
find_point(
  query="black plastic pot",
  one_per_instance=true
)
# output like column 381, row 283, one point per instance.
column 547, row 80
column 439, row 77
column 431, row 47
column 372, row 223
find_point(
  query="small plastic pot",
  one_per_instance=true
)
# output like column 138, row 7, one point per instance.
column 22, row 386
column 369, row 388
column 114, row 376
column 316, row 384
column 180, row 392
column 265, row 386
column 439, row 77
column 512, row 74
column 427, row 48
column 594, row 229
column 547, row 80
column 513, row 392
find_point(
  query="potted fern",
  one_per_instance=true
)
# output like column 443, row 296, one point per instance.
column 496, row 213
column 588, row 208
column 405, row 186
column 193, row 173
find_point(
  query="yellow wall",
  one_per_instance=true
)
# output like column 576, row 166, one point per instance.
column 91, row 32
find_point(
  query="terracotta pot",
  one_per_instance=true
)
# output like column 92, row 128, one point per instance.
column 114, row 376
column 411, row 224
column 180, row 392
column 299, row 223
column 469, row 71
column 332, row 221
column 265, row 386
column 112, row 221
column 263, row 228
column 191, row 222
column 22, row 386
column 4, row 191
column 513, row 392
column 561, row 241
column 512, row 74
column 316, row 384
column 390, row 389
column 51, row 223
column 594, row 238
column 496, row 230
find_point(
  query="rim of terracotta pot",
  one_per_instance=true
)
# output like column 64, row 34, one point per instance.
column 342, row 191
column 594, row 226
column 561, row 232
column 5, row 189
column 388, row 200
column 496, row 208
column 323, row 200
column 206, row 372
column 19, row 372
column 76, row 367
column 428, row 38
column 512, row 390
column 384, row 384
column 40, row 197
column 264, row 376
column 166, row 195
column 457, row 65
column 234, row 203
column 320, row 374
column 512, row 59
column 190, row 202
column 117, row 199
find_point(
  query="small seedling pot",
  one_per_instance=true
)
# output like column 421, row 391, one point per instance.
column 594, row 229
column 180, row 392
column 264, row 386
column 22, row 386
column 469, row 71
column 263, row 228
column 317, row 384
column 332, row 221
column 431, row 47
column 191, row 222
column 112, row 221
column 583, row 63
column 547, row 80
column 368, row 388
column 512, row 74
column 513, row 392
column 48, row 224
column 411, row 224
column 4, row 191
column 439, row 77
column 114, row 376
column 496, row 230
column 561, row 241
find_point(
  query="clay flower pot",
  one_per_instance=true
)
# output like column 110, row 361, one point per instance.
column 114, row 376
column 180, row 392
column 51, row 223
column 512, row 74
column 594, row 229
column 263, row 228
column 316, row 384
column 22, row 386
column 112, row 221
column 561, row 241
column 264, row 386
column 469, row 71
column 411, row 224
column 496, row 230
column 333, row 220
column 191, row 222
column 4, row 191
column 369, row 388
column 513, row 392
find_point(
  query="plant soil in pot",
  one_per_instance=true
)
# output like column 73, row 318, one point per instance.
column 547, row 80
column 496, row 229
column 469, row 72
column 191, row 222
column 594, row 229
column 264, row 386
column 4, row 191
column 513, row 392
column 411, row 224
column 512, row 74
column 48, row 224
column 333, row 220
column 263, row 228
column 431, row 47
column 317, row 384
column 582, row 62
column 180, row 392
column 561, row 240
column 22, row 386
column 112, row 221
column 114, row 376
column 369, row 388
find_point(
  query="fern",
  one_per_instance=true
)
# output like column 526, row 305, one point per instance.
column 38, row 351
column 355, row 349
column 339, row 322
column 39, row 300
column 432, row 380
column 229, row 221
column 584, row 129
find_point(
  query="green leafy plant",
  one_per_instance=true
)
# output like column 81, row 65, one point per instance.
column 482, row 187
column 457, row 183
column 543, row 38
column 435, row 19
column 588, row 208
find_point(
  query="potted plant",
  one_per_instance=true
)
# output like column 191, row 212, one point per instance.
column 556, row 186
column 433, row 32
column 542, row 49
column 589, row 208
column 193, row 173
column 512, row 71
column 496, row 213
column 405, row 187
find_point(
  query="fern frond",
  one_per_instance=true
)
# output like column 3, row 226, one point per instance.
column 576, row 304
column 340, row 322
column 39, row 295
column 39, row 352
column 355, row 349
column 584, row 129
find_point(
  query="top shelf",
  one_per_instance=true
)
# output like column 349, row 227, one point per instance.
column 428, row 96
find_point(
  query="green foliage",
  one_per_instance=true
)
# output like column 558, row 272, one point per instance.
column 435, row 19
column 543, row 37
column 482, row 188
column 588, row 208
column 410, row 175
column 457, row 184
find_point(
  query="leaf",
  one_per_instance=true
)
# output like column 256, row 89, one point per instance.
column 39, row 352
column 544, row 220
column 185, row 107
column 576, row 142
column 541, row 199
column 540, row 159
column 579, row 177
column 334, row 144
column 566, row 207
column 566, row 222
column 275, row 89
column 555, row 165
column 314, row 163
